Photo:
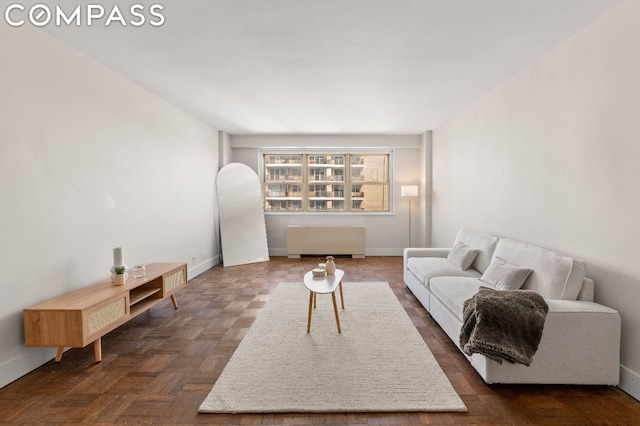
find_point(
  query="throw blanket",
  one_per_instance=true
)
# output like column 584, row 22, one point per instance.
column 503, row 324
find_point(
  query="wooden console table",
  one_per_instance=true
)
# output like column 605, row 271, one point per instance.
column 83, row 316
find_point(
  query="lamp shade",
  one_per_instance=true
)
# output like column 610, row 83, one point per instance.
column 409, row 191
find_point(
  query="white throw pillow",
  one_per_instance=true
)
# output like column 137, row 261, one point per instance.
column 462, row 255
column 505, row 276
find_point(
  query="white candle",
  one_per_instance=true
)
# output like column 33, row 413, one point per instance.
column 118, row 259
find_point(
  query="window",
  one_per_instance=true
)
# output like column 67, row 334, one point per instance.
column 326, row 182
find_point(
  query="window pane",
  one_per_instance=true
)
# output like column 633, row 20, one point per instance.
column 326, row 191
column 370, row 168
column 283, row 159
column 326, row 205
column 279, row 168
column 326, row 167
column 283, row 197
column 283, row 190
column 370, row 197
column 326, row 182
column 283, row 205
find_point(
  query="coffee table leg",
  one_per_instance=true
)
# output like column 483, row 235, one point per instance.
column 341, row 296
column 315, row 300
column 310, row 305
column 335, row 309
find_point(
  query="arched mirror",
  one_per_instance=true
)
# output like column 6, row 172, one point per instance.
column 243, row 231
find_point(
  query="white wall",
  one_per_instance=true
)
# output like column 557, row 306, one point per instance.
column 425, row 187
column 88, row 162
column 387, row 234
column 224, row 149
column 551, row 157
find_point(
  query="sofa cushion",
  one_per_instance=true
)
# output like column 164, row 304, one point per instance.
column 453, row 291
column 462, row 255
column 503, row 275
column 484, row 243
column 554, row 276
column 575, row 281
column 425, row 268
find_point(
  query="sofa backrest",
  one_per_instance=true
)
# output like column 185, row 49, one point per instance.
column 485, row 243
column 554, row 276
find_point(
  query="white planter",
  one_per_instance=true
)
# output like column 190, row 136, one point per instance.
column 119, row 279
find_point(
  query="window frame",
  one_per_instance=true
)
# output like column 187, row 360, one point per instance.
column 305, row 183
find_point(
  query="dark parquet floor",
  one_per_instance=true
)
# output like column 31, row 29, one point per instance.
column 159, row 367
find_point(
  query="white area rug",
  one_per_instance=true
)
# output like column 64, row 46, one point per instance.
column 378, row 363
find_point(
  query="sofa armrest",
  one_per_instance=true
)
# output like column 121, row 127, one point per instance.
column 582, row 336
column 587, row 290
column 426, row 252
column 579, row 307
column 423, row 252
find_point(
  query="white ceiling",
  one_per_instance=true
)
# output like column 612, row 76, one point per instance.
column 331, row 66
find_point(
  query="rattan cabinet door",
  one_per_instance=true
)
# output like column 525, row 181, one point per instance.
column 102, row 318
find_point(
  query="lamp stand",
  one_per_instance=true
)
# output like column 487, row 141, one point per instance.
column 410, row 223
column 409, row 191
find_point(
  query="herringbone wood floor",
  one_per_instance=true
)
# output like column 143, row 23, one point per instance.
column 159, row 367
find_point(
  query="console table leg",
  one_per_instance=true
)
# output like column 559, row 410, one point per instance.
column 59, row 353
column 174, row 301
column 97, row 349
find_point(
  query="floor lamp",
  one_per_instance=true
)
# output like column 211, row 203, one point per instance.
column 409, row 191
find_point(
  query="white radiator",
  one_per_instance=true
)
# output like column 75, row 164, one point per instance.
column 328, row 240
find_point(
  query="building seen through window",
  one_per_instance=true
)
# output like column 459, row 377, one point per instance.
column 326, row 182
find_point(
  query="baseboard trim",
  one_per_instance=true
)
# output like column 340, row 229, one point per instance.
column 630, row 382
column 384, row 251
column 368, row 252
column 278, row 252
column 195, row 270
column 24, row 363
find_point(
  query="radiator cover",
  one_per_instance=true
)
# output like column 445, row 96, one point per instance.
column 326, row 240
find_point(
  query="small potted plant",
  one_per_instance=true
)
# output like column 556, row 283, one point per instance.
column 120, row 275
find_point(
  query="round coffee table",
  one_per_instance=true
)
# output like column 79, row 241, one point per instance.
column 324, row 285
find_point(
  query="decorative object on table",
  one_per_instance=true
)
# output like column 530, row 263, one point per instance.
column 139, row 271
column 330, row 266
column 119, row 276
column 318, row 272
column 118, row 259
column 409, row 191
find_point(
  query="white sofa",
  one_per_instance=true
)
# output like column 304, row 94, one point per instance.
column 580, row 342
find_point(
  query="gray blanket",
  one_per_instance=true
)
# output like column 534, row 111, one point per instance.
column 504, row 324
